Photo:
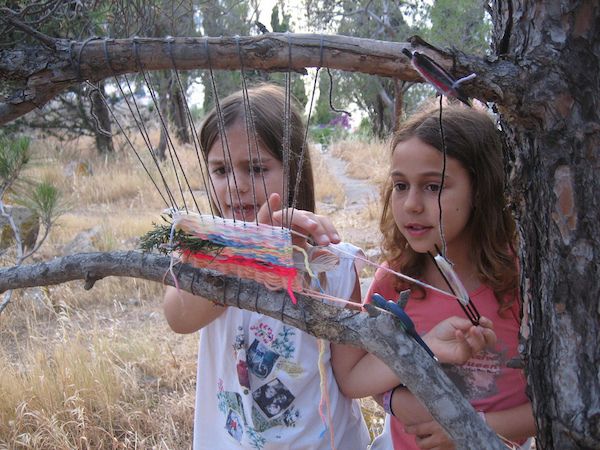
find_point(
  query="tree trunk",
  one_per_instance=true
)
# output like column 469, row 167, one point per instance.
column 398, row 103
column 554, row 131
column 178, row 114
column 101, row 121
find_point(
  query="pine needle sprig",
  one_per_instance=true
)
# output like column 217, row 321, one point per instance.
column 159, row 239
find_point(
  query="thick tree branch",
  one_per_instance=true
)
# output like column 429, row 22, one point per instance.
column 43, row 73
column 378, row 332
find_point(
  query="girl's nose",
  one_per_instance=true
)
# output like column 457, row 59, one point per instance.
column 242, row 182
column 413, row 201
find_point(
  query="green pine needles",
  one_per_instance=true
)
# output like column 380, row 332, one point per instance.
column 159, row 238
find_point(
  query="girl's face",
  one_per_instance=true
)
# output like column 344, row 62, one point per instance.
column 416, row 176
column 237, row 198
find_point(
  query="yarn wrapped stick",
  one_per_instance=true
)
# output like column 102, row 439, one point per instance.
column 435, row 74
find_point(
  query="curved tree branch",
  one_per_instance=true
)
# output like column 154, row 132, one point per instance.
column 376, row 332
column 42, row 73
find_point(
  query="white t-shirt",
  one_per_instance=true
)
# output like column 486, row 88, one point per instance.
column 258, row 384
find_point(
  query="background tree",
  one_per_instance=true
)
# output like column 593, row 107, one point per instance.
column 79, row 112
column 461, row 25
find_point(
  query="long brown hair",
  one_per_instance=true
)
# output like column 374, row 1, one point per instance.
column 267, row 105
column 472, row 138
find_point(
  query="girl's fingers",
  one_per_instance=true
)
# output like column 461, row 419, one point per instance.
column 486, row 323
column 490, row 338
column 319, row 228
column 430, row 435
column 460, row 323
column 485, row 333
column 272, row 204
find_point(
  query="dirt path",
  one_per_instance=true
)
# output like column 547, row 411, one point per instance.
column 359, row 193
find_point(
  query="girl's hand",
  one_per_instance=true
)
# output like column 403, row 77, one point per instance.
column 455, row 340
column 318, row 228
column 430, row 436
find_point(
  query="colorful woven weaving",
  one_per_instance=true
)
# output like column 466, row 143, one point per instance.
column 257, row 252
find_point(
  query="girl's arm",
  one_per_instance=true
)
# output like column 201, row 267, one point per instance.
column 515, row 424
column 186, row 313
column 453, row 341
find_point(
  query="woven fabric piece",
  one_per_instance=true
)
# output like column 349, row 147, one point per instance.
column 253, row 251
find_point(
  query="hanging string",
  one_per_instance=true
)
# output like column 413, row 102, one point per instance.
column 133, row 148
column 305, row 138
column 170, row 147
column 77, row 61
column 325, row 400
column 333, row 108
column 190, row 120
column 444, row 162
column 165, row 184
column 251, row 131
column 287, row 134
column 223, row 136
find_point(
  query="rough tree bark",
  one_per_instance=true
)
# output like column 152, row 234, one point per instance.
column 553, row 128
column 377, row 332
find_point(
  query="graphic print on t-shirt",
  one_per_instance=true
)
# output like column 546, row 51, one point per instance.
column 273, row 397
column 268, row 355
column 234, row 426
column 260, row 359
column 477, row 378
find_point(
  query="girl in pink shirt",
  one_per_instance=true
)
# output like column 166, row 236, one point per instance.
column 476, row 232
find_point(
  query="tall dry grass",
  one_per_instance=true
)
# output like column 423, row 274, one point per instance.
column 100, row 368
column 366, row 159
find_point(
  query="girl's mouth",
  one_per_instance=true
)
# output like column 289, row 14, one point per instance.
column 244, row 212
column 416, row 230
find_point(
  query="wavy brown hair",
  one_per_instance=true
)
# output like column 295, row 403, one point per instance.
column 472, row 138
column 267, row 105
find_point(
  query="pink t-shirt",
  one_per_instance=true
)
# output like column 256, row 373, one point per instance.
column 484, row 380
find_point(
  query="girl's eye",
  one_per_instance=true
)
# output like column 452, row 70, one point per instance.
column 400, row 186
column 433, row 187
column 219, row 170
column 259, row 170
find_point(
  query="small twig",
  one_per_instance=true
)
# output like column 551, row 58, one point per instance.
column 15, row 231
column 6, row 301
column 9, row 17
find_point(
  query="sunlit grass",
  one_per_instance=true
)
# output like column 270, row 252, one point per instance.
column 93, row 389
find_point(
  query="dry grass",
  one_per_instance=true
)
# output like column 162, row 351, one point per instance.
column 100, row 368
column 327, row 189
column 366, row 160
